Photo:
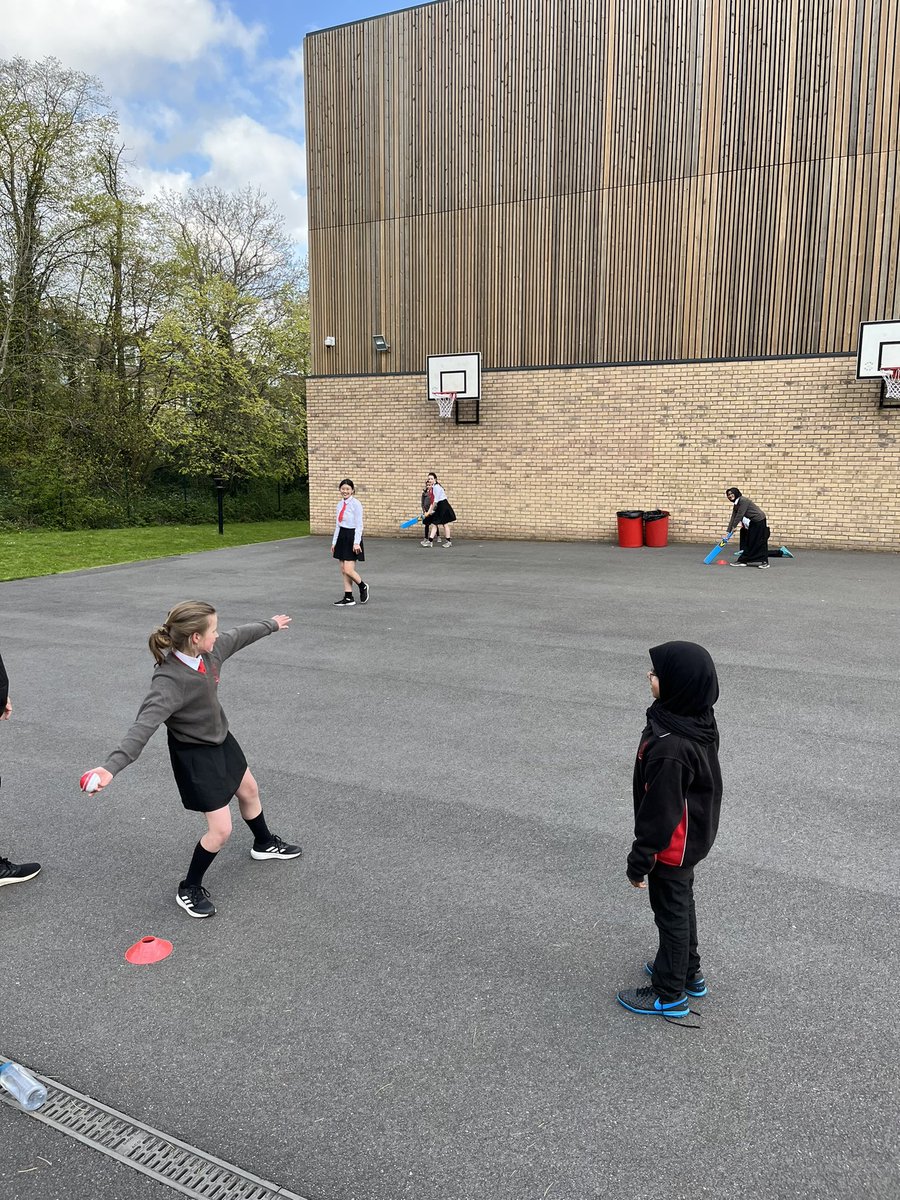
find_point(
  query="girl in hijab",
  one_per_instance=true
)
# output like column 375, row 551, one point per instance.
column 677, row 795
column 755, row 532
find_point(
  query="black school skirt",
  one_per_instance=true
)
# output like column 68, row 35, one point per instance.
column 343, row 547
column 443, row 514
column 206, row 776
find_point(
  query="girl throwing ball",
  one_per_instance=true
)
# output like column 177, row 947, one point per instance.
column 208, row 764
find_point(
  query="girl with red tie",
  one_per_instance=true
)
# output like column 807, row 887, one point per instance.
column 208, row 764
column 347, row 544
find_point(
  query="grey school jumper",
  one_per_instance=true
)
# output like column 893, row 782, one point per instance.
column 745, row 508
column 185, row 700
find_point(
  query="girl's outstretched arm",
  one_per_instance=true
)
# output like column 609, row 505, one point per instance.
column 230, row 642
column 162, row 700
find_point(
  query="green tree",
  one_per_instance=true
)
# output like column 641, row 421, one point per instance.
column 51, row 122
column 229, row 404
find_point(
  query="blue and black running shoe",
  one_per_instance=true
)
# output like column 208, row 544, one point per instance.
column 646, row 1002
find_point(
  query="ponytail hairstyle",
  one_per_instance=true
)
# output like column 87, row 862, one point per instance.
column 349, row 483
column 190, row 616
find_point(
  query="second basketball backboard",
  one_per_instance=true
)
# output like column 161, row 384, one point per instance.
column 878, row 348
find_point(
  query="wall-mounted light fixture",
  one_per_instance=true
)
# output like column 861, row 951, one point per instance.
column 329, row 341
column 380, row 341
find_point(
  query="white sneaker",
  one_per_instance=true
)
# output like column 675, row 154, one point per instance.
column 447, row 544
column 424, row 542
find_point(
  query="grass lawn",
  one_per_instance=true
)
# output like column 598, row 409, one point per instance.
column 48, row 551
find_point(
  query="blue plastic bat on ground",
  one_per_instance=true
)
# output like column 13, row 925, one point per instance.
column 714, row 553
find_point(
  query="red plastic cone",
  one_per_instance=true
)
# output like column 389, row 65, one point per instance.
column 149, row 950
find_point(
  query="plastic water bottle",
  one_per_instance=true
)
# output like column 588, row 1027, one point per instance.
column 27, row 1091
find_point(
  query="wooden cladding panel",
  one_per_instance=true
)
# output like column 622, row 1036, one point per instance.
column 570, row 181
column 464, row 103
column 778, row 260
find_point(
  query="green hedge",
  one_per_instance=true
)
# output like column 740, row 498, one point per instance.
column 68, row 504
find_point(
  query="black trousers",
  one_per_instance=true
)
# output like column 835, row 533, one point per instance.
column 671, row 892
column 755, row 543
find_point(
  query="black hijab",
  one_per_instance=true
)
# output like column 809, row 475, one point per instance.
column 688, row 689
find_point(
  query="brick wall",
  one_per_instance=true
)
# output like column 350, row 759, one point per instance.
column 558, row 452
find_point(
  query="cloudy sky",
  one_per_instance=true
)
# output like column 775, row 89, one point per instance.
column 206, row 90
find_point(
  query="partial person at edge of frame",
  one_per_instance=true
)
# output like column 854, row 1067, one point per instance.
column 439, row 514
column 208, row 763
column 11, row 872
column 347, row 544
column 755, row 532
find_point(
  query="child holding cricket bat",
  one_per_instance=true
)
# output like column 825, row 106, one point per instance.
column 755, row 532
column 439, row 513
column 677, row 788
column 208, row 764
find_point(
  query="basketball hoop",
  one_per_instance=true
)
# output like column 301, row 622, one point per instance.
column 891, row 377
column 445, row 402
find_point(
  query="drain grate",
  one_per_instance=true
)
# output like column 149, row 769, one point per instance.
column 183, row 1168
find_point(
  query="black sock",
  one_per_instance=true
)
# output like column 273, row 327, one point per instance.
column 350, row 593
column 199, row 863
column 262, row 835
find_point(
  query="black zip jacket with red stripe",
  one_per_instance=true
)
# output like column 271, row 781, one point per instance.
column 677, row 796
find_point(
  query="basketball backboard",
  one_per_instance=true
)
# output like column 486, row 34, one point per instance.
column 878, row 348
column 459, row 373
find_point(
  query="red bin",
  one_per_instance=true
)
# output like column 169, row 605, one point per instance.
column 656, row 528
column 631, row 528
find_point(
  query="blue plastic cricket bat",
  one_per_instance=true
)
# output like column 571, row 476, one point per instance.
column 407, row 524
column 714, row 553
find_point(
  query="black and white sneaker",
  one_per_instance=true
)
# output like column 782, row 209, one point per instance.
column 11, row 872
column 194, row 899
column 275, row 848
column 344, row 602
column 363, row 593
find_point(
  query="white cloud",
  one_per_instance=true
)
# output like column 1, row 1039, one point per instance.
column 242, row 152
column 184, row 77
column 152, row 182
column 116, row 38
column 286, row 76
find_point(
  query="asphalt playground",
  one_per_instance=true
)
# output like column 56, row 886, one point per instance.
column 423, row 1005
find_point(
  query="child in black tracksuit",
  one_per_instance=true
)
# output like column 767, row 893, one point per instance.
column 677, row 796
